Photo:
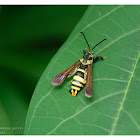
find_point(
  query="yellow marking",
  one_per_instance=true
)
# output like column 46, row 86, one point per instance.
column 81, row 60
column 77, row 84
column 104, row 57
column 81, row 70
column 88, row 62
column 76, row 88
column 84, row 63
column 76, row 77
column 73, row 93
column 85, row 48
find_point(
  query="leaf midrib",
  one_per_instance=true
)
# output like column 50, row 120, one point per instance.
column 125, row 94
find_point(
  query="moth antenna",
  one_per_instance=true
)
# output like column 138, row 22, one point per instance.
column 98, row 43
column 85, row 39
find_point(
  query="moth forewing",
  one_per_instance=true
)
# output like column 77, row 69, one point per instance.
column 59, row 79
column 88, row 87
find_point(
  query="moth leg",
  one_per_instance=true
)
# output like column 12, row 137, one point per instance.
column 98, row 57
column 72, row 73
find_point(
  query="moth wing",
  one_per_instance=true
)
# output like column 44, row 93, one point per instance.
column 88, row 88
column 59, row 79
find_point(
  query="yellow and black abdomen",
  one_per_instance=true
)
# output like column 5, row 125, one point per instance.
column 78, row 81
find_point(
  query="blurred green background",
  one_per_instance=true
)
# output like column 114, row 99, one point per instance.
column 29, row 37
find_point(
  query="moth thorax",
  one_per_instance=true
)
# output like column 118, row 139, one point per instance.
column 86, row 62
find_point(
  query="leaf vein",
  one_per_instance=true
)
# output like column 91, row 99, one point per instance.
column 37, row 107
column 126, row 91
column 105, row 97
column 122, row 36
column 132, row 118
column 117, row 67
column 109, row 79
column 94, row 125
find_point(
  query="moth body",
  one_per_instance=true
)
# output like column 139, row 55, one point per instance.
column 82, row 70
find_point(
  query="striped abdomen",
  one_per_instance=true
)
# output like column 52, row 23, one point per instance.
column 78, row 81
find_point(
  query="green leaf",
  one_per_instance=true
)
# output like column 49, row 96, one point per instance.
column 114, row 107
